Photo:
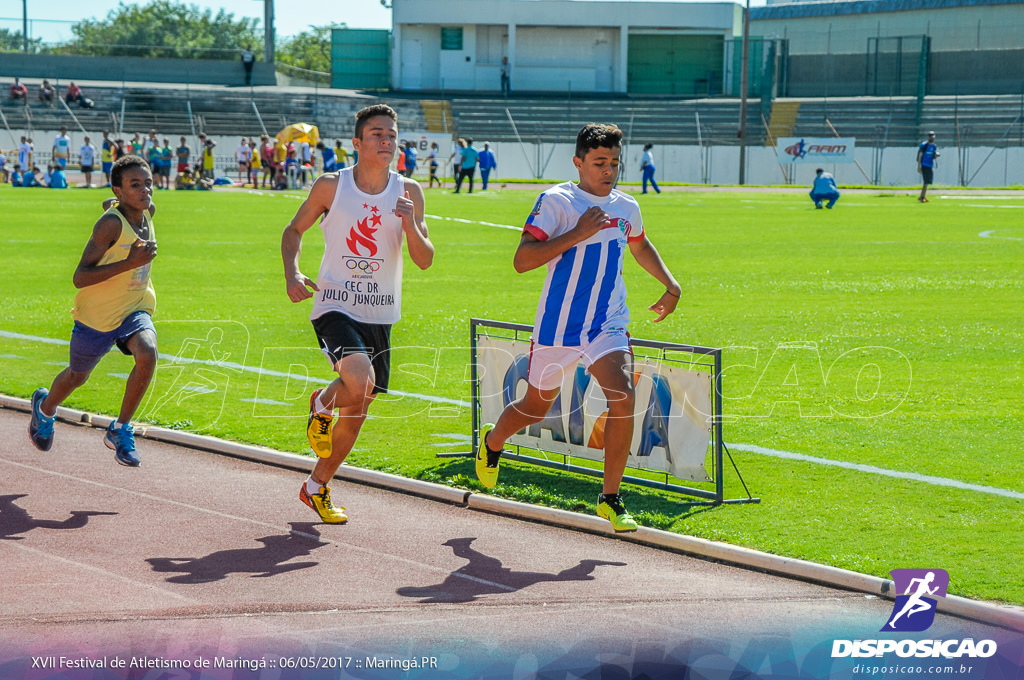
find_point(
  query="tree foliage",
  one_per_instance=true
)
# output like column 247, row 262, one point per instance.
column 164, row 28
column 12, row 41
column 310, row 50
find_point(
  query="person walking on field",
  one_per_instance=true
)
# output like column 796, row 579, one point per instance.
column 469, row 160
column 487, row 163
column 581, row 232
column 114, row 306
column 647, row 168
column 365, row 212
column 927, row 161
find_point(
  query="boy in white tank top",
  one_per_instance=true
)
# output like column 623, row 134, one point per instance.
column 366, row 212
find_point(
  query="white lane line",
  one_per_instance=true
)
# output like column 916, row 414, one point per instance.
column 249, row 520
column 991, row 234
column 974, row 197
column 465, row 221
column 871, row 469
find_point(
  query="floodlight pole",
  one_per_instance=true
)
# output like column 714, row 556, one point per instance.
column 744, row 76
column 24, row 26
column 268, row 31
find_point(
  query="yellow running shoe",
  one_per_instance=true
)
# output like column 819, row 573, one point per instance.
column 611, row 508
column 318, row 429
column 320, row 502
column 485, row 472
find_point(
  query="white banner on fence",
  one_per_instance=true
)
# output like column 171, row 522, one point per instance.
column 672, row 424
column 816, row 149
column 423, row 140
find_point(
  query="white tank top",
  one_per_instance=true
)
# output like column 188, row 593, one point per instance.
column 361, row 273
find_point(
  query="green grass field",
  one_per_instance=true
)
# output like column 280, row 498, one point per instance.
column 883, row 334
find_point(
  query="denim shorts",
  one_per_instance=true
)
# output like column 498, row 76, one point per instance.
column 89, row 345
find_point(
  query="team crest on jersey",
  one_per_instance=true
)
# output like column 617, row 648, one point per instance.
column 362, row 239
column 622, row 225
column 362, row 244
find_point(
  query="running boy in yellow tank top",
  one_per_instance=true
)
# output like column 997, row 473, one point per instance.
column 114, row 305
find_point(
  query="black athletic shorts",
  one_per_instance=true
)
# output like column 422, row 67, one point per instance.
column 339, row 335
column 926, row 173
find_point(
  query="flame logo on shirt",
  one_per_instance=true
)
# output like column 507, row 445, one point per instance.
column 362, row 235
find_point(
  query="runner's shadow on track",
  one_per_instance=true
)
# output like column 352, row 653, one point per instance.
column 485, row 575
column 270, row 560
column 15, row 520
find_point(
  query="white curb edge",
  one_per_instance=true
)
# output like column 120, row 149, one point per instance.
column 1004, row 616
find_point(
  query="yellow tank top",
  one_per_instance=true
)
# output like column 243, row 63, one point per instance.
column 103, row 306
column 255, row 159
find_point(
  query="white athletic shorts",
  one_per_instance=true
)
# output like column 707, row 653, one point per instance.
column 549, row 364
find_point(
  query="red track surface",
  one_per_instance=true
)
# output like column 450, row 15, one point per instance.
column 196, row 554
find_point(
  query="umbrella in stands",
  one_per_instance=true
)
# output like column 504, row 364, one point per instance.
column 300, row 132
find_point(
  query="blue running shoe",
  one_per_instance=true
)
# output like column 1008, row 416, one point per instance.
column 122, row 441
column 40, row 427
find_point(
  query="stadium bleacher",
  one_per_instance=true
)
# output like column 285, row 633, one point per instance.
column 227, row 111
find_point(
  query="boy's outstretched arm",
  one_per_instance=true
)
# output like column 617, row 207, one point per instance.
column 647, row 256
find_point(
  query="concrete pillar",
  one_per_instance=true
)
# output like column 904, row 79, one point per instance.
column 396, row 57
column 622, row 72
column 512, row 53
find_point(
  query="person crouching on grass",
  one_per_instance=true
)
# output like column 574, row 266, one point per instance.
column 581, row 232
column 366, row 210
column 114, row 305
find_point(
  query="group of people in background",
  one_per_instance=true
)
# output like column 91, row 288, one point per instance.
column 48, row 94
column 464, row 161
column 275, row 164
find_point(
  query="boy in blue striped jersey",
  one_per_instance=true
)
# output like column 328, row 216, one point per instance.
column 581, row 232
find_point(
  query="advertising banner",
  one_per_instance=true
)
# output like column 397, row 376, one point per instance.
column 816, row 149
column 672, row 421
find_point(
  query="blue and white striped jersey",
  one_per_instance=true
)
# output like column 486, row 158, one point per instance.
column 584, row 293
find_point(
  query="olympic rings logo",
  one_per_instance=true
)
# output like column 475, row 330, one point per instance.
column 365, row 266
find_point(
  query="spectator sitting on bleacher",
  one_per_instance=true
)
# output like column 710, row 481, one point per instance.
column 46, row 92
column 19, row 91
column 74, row 95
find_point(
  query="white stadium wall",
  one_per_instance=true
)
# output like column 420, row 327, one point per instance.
column 983, row 166
column 684, row 164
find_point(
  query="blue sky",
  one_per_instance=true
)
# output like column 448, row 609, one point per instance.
column 51, row 20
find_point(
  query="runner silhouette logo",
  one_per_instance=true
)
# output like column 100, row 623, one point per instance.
column 914, row 609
